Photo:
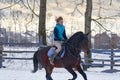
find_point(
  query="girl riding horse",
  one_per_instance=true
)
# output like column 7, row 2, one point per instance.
column 70, row 60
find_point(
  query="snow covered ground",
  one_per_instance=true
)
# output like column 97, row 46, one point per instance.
column 58, row 74
column 21, row 70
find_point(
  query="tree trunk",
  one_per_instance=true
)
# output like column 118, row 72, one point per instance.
column 88, row 15
column 42, row 22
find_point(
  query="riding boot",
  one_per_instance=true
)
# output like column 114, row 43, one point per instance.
column 52, row 58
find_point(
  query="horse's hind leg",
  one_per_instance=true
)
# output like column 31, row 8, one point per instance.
column 48, row 73
column 79, row 69
column 72, row 72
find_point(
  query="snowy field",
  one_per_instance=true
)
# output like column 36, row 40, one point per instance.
column 21, row 70
column 58, row 74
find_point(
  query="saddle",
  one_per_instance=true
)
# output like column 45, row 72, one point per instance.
column 59, row 55
column 53, row 56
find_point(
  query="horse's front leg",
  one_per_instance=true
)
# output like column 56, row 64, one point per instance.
column 48, row 70
column 69, row 69
column 79, row 69
column 48, row 77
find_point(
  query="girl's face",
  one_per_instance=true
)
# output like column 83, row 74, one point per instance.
column 60, row 22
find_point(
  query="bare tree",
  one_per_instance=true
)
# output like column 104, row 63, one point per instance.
column 88, row 15
column 42, row 22
column 42, row 18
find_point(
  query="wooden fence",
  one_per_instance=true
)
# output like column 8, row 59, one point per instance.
column 4, row 57
column 1, row 58
column 102, row 62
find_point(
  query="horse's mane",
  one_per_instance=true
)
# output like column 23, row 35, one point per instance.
column 76, row 35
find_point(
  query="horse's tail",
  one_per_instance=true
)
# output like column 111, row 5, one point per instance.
column 35, row 62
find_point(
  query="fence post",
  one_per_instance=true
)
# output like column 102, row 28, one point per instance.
column 112, row 54
column 1, row 48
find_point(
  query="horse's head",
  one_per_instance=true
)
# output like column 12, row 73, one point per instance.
column 80, row 40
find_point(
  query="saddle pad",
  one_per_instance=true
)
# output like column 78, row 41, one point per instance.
column 52, row 51
column 63, row 53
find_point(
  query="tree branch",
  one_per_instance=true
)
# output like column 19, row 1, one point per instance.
column 32, row 9
column 10, row 6
column 37, row 1
column 28, row 7
column 24, row 4
column 109, row 17
column 30, row 20
column 76, row 9
column 110, row 2
column 101, row 25
column 57, row 2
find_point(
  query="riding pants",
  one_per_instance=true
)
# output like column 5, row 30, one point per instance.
column 58, row 45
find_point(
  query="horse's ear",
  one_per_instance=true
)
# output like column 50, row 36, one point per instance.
column 87, row 33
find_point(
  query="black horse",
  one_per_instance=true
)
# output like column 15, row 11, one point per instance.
column 71, row 59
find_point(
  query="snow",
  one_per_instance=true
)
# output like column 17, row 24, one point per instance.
column 58, row 74
column 1, row 35
column 21, row 70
